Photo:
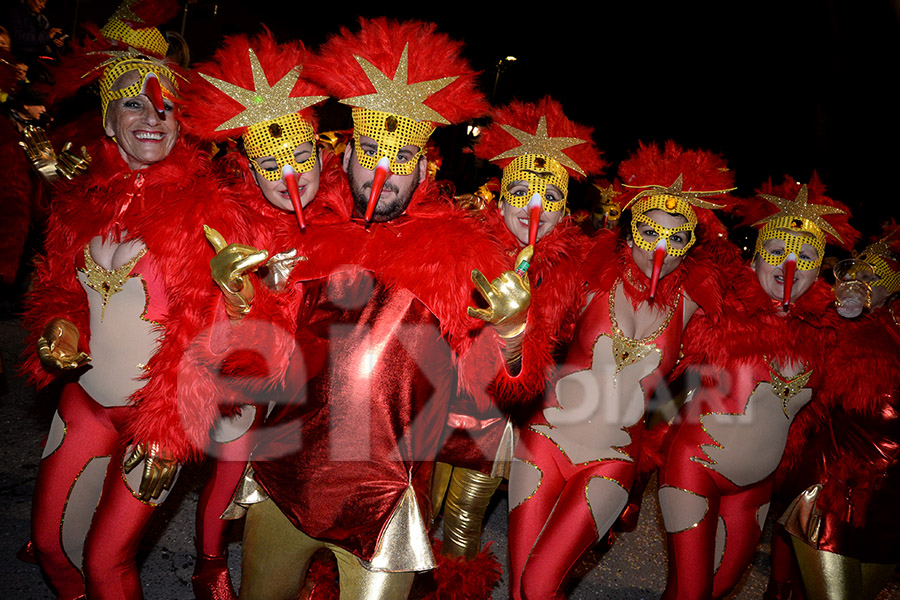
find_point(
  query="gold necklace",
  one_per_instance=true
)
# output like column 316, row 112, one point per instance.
column 104, row 282
column 626, row 350
column 784, row 388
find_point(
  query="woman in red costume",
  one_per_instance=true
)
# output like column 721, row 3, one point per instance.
column 539, row 148
column 759, row 365
column 575, row 461
column 252, row 89
column 842, row 464
column 123, row 280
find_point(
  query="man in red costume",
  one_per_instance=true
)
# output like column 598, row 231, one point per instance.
column 539, row 148
column 576, row 460
column 123, row 280
column 760, row 364
column 383, row 340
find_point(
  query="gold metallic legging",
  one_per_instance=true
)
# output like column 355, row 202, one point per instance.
column 277, row 554
column 830, row 576
column 467, row 500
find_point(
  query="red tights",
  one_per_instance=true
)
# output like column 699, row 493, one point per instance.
column 116, row 524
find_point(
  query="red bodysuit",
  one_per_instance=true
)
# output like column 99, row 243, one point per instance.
column 758, row 369
column 575, row 462
column 127, row 263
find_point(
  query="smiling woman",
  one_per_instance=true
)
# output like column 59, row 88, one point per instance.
column 144, row 134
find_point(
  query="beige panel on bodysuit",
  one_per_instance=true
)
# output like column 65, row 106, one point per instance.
column 228, row 429
column 56, row 436
column 121, row 344
column 750, row 444
column 596, row 406
column 681, row 509
column 606, row 499
column 80, row 505
column 524, row 480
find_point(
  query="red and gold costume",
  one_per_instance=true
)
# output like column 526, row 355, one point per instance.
column 251, row 88
column 841, row 465
column 759, row 365
column 575, row 461
column 126, row 265
column 525, row 140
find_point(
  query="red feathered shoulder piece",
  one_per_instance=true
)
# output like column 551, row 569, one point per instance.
column 382, row 42
column 206, row 107
column 495, row 140
column 701, row 170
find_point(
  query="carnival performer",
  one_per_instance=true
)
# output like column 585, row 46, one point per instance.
column 758, row 366
column 118, row 299
column 575, row 461
column 842, row 464
column 390, row 331
column 539, row 148
column 251, row 89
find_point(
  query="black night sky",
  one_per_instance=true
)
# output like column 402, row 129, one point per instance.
column 777, row 86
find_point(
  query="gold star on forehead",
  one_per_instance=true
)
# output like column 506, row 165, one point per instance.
column 799, row 207
column 397, row 96
column 675, row 190
column 263, row 102
column 541, row 144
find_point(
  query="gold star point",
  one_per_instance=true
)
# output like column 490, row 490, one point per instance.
column 677, row 190
column 396, row 95
column 541, row 144
column 800, row 207
column 264, row 102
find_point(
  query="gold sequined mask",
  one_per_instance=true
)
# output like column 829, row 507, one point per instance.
column 669, row 204
column 143, row 66
column 279, row 138
column 885, row 264
column 391, row 132
column 795, row 232
column 538, row 172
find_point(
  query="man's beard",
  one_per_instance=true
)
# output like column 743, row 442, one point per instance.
column 383, row 211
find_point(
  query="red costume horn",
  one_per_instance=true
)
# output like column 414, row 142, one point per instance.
column 659, row 255
column 534, row 218
column 787, row 271
column 381, row 175
column 153, row 91
column 290, row 180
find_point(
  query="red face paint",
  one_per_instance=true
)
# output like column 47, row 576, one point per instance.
column 290, row 180
column 382, row 169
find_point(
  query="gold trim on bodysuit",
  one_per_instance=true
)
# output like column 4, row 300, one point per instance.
column 105, row 282
column 628, row 351
column 540, row 479
column 786, row 388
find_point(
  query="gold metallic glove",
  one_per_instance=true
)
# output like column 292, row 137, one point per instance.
column 48, row 165
column 159, row 470
column 230, row 267
column 279, row 267
column 58, row 346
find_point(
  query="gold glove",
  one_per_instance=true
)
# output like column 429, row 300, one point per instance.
column 159, row 470
column 509, row 297
column 58, row 346
column 230, row 267
column 279, row 267
column 48, row 165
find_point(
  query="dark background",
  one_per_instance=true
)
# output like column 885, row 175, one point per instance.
column 778, row 87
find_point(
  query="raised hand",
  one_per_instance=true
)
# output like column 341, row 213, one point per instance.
column 230, row 267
